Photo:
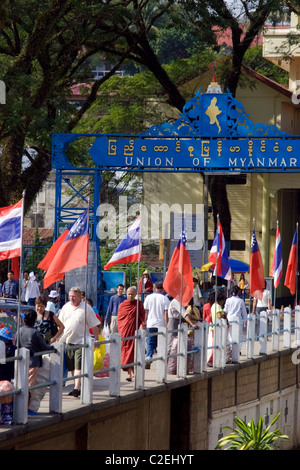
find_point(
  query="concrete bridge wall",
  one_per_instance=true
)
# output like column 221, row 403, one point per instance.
column 187, row 414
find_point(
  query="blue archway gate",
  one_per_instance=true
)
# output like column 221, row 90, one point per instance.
column 212, row 134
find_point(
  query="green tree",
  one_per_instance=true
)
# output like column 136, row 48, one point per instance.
column 43, row 46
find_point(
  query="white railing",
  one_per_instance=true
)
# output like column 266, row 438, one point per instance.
column 225, row 335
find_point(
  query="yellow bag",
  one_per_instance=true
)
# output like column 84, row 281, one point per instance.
column 99, row 354
column 98, row 359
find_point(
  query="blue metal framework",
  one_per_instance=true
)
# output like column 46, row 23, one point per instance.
column 212, row 134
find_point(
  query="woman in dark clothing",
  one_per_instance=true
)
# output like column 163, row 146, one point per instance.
column 32, row 339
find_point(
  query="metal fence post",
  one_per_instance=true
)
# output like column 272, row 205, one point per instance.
column 235, row 330
column 88, row 369
column 276, row 330
column 162, row 351
column 182, row 351
column 2, row 352
column 56, row 374
column 205, row 345
column 198, row 346
column 139, row 354
column 287, row 327
column 115, row 365
column 250, row 335
column 217, row 344
column 21, row 380
column 297, row 325
column 224, row 333
column 220, row 340
column 263, row 325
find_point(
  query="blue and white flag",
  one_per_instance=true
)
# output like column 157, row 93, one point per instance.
column 10, row 230
column 129, row 249
column 276, row 268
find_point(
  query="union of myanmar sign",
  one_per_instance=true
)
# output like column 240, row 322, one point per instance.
column 203, row 154
column 213, row 133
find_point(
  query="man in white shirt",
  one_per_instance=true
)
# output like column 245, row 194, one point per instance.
column 24, row 284
column 262, row 305
column 77, row 317
column 235, row 307
column 32, row 289
column 156, row 307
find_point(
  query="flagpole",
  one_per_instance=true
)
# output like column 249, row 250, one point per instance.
column 85, row 307
column 138, row 270
column 217, row 257
column 253, row 228
column 296, row 303
column 274, row 272
column 181, row 276
column 20, row 290
column 20, row 274
column 86, row 275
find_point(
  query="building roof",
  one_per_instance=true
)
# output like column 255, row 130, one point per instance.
column 267, row 81
column 224, row 37
column 29, row 233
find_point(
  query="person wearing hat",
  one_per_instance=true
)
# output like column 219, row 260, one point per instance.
column 52, row 302
column 145, row 284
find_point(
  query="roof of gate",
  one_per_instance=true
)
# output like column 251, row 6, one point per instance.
column 214, row 114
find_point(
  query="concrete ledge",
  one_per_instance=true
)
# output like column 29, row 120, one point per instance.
column 75, row 412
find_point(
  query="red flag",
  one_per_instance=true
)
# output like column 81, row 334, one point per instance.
column 291, row 270
column 179, row 277
column 72, row 253
column 257, row 277
column 15, row 267
column 46, row 261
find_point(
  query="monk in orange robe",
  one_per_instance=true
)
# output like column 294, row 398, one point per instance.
column 127, row 325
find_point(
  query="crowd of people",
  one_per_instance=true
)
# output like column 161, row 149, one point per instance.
column 53, row 319
column 50, row 319
column 151, row 307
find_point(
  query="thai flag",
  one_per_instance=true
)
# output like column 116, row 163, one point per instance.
column 276, row 268
column 11, row 230
column 218, row 255
column 291, row 270
column 257, row 276
column 129, row 248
